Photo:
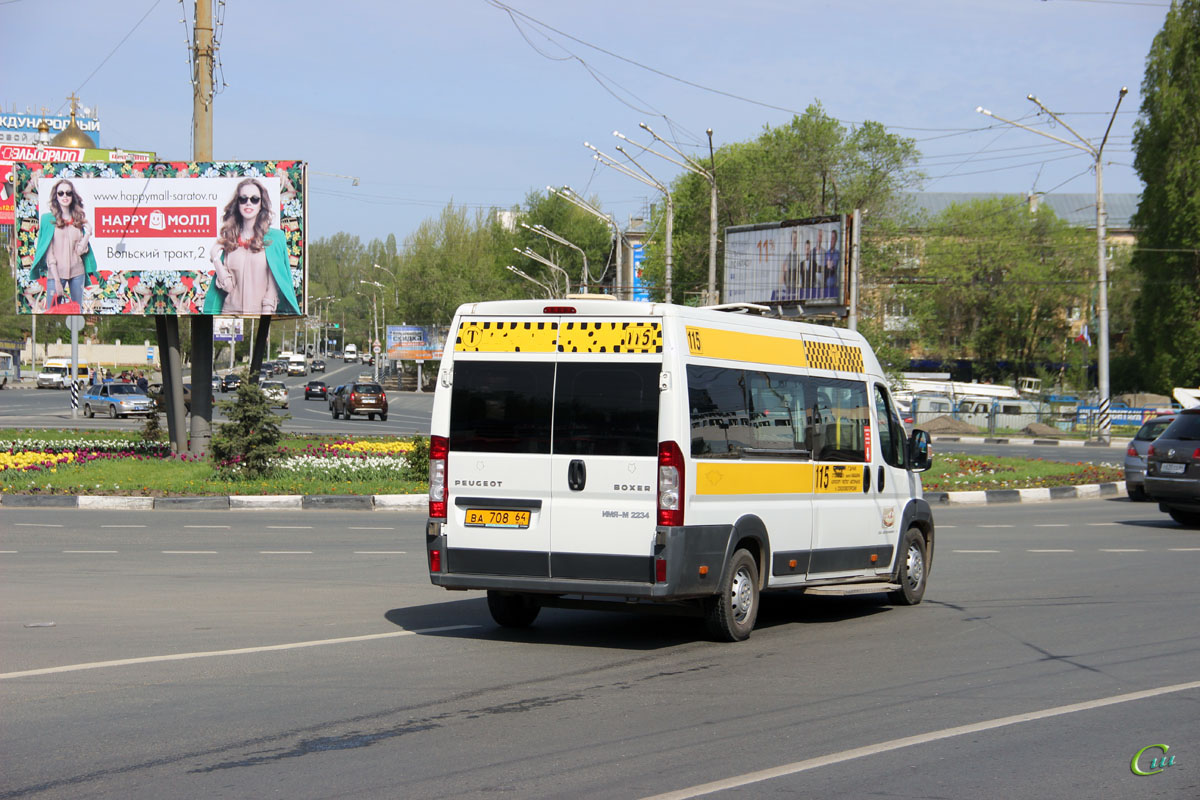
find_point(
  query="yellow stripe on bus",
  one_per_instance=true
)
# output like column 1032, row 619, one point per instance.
column 757, row 348
column 502, row 336
column 735, row 477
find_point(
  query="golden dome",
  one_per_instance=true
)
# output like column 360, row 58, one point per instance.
column 73, row 136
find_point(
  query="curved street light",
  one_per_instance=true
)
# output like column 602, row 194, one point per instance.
column 651, row 181
column 569, row 194
column 547, row 289
column 529, row 253
column 586, row 278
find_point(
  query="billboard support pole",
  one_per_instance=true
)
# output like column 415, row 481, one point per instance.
column 168, row 386
column 202, row 325
column 173, row 379
column 262, row 343
column 852, row 313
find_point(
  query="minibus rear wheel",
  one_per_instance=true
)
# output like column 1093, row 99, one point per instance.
column 731, row 614
column 512, row 610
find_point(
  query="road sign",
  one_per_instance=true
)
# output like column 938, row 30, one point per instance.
column 75, row 323
column 376, row 349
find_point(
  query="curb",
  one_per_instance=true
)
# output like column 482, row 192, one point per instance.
column 1122, row 443
column 1042, row 495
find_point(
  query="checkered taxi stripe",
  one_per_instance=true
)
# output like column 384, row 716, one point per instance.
column 496, row 336
column 827, row 355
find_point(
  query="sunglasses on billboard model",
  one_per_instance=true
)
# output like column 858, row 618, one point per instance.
column 244, row 199
column 64, row 193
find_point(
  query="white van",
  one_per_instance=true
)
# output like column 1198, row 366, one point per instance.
column 350, row 354
column 586, row 451
column 56, row 374
column 297, row 364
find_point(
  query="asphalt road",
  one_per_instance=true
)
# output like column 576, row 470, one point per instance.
column 408, row 412
column 305, row 655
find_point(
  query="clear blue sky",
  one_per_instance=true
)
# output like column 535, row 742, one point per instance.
column 460, row 100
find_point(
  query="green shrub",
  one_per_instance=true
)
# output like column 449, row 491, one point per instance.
column 417, row 460
column 247, row 445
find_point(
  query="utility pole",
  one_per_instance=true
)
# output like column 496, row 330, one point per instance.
column 202, row 324
column 1097, row 154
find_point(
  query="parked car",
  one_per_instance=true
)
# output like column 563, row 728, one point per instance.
column 276, row 392
column 216, row 382
column 1173, row 469
column 155, row 393
column 1135, row 454
column 116, row 400
column 361, row 399
column 317, row 366
column 231, row 382
column 316, row 389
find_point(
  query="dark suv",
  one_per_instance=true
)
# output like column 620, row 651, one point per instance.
column 364, row 399
column 1173, row 469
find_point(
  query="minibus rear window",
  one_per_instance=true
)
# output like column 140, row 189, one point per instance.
column 606, row 409
column 501, row 406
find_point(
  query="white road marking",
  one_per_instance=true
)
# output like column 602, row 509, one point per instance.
column 91, row 551
column 210, row 653
column 35, row 525
column 1103, row 524
column 1171, row 549
column 843, row 756
column 1049, row 551
column 974, row 551
column 190, row 552
column 285, row 552
column 9, row 551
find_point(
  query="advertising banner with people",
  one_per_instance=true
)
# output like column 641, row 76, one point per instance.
column 161, row 238
column 795, row 262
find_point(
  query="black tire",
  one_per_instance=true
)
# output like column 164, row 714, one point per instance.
column 731, row 614
column 1136, row 493
column 1188, row 519
column 913, row 569
column 112, row 412
column 87, row 411
column 383, row 417
column 512, row 610
column 333, row 412
column 370, row 417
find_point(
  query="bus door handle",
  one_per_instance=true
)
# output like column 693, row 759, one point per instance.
column 576, row 475
column 880, row 479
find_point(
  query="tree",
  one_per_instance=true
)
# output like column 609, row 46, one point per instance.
column 810, row 166
column 996, row 282
column 1166, row 141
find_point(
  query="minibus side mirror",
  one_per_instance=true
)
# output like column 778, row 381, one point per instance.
column 920, row 451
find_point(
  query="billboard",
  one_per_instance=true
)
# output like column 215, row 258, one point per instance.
column 10, row 152
column 161, row 238
column 795, row 262
column 228, row 329
column 408, row 343
column 23, row 128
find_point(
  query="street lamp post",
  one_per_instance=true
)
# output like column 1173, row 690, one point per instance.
column 529, row 253
column 585, row 279
column 568, row 194
column 691, row 165
column 519, row 273
column 1105, row 435
column 378, row 323
column 649, row 180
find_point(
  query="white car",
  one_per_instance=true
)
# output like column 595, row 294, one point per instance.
column 276, row 392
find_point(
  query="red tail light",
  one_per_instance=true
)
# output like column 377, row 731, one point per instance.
column 1132, row 451
column 439, row 452
column 435, row 560
column 558, row 310
column 1150, row 452
column 670, row 484
column 1196, row 454
column 353, row 396
column 660, row 570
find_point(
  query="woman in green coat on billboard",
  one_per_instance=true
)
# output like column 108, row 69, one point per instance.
column 64, row 253
column 252, row 274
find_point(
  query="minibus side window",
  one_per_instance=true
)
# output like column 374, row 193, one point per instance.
column 501, row 406
column 717, row 401
column 606, row 409
column 891, row 431
column 838, row 417
column 776, row 411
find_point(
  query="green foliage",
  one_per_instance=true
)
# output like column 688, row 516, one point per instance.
column 248, row 444
column 1166, row 141
column 996, row 282
column 811, row 166
column 152, row 430
column 417, row 460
